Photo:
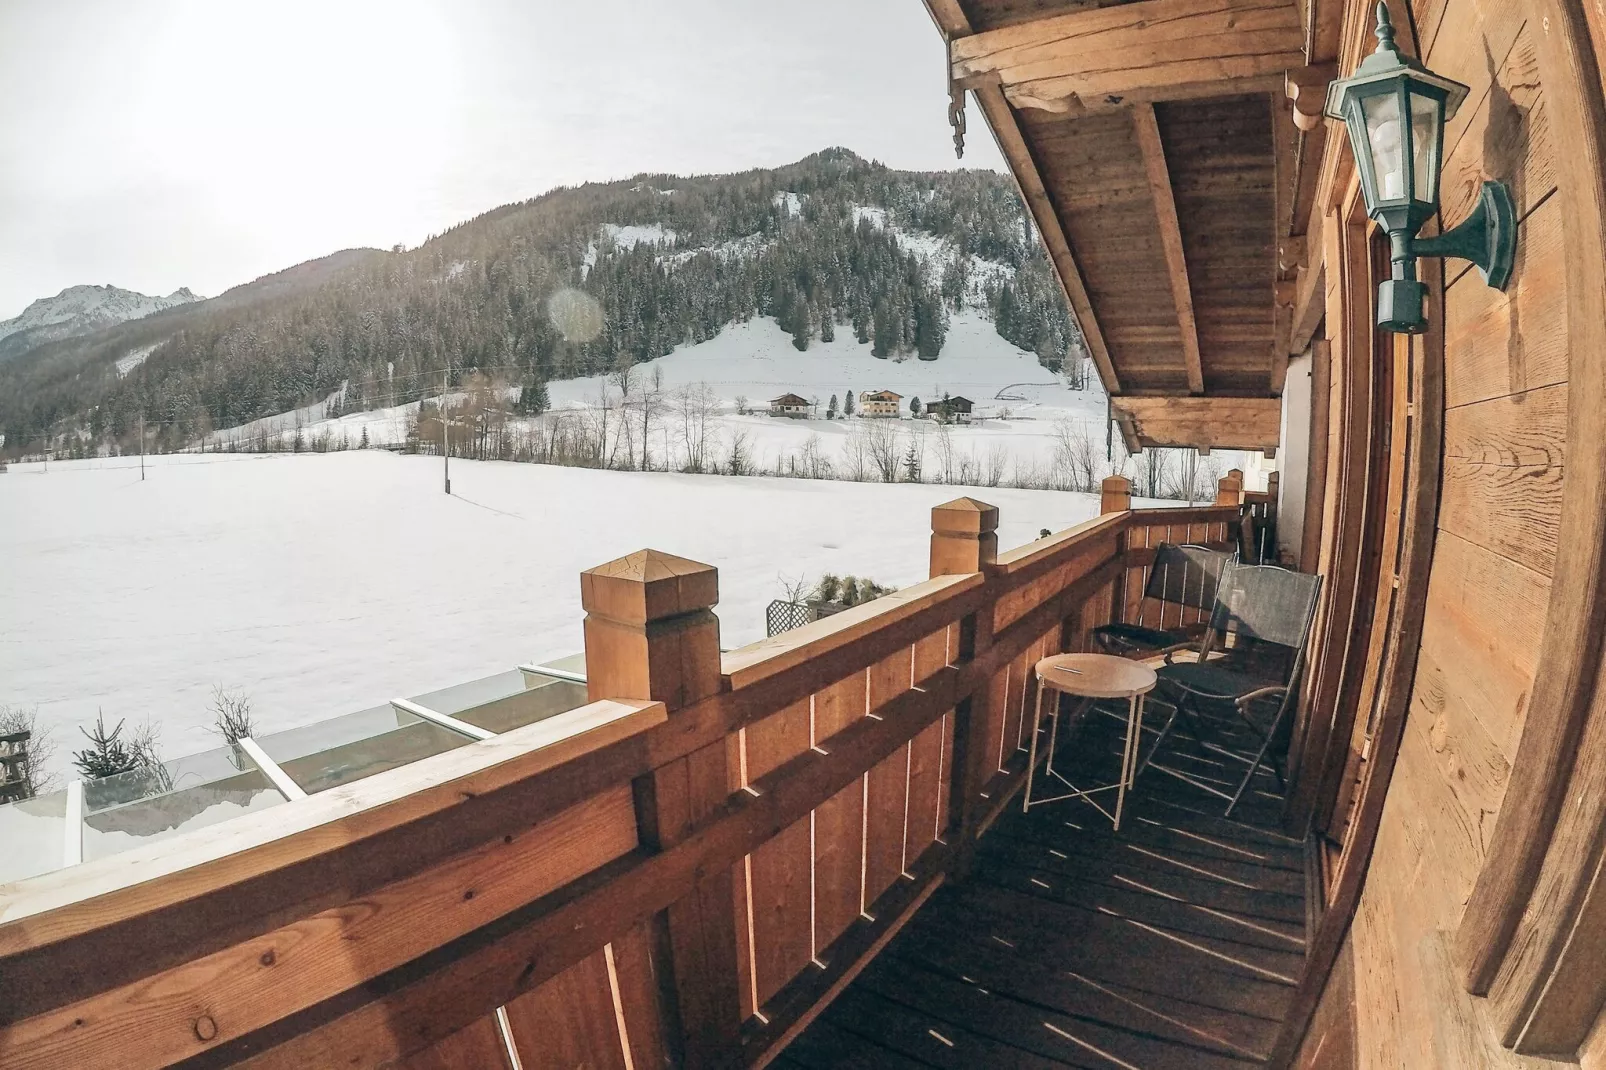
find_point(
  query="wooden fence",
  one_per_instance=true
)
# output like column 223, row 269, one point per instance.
column 682, row 872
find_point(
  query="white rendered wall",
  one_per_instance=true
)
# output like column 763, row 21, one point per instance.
column 1293, row 456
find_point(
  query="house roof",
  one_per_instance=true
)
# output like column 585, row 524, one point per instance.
column 1154, row 142
column 957, row 399
column 880, row 395
column 789, row 399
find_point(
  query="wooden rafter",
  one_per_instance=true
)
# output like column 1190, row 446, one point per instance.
column 1220, row 423
column 955, row 26
column 1147, row 51
column 1165, row 212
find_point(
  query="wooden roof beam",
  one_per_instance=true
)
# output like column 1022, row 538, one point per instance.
column 955, row 26
column 1165, row 211
column 1146, row 51
column 1208, row 422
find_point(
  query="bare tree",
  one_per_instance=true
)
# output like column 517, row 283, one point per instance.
column 231, row 712
column 41, row 746
column 623, row 372
column 794, row 590
column 943, row 443
column 996, row 462
column 856, row 452
column 881, row 440
column 1153, row 464
column 696, row 405
column 1076, row 458
column 812, row 461
column 652, row 393
column 739, row 461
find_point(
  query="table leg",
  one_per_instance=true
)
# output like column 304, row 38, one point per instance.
column 1126, row 758
column 1053, row 732
column 1031, row 764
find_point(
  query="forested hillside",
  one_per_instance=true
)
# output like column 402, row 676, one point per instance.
column 831, row 243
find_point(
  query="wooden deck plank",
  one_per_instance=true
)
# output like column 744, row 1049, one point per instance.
column 1175, row 942
column 932, row 1041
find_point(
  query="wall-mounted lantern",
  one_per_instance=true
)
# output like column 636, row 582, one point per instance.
column 1394, row 109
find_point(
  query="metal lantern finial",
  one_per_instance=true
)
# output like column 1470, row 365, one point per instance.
column 1394, row 110
column 1385, row 28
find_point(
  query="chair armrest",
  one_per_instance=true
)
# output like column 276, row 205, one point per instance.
column 1260, row 692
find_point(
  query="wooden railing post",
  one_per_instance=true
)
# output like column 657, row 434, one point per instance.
column 964, row 539
column 1115, row 494
column 650, row 633
column 1230, row 488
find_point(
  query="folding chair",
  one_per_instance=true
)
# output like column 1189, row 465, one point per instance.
column 1261, row 607
column 1186, row 575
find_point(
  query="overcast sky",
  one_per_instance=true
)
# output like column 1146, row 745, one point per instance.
column 202, row 143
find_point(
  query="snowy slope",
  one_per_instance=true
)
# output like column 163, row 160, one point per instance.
column 756, row 360
column 81, row 309
column 323, row 584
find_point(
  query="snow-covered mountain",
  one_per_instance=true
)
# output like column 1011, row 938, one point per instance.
column 79, row 310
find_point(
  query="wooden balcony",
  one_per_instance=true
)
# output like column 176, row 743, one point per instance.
column 690, row 868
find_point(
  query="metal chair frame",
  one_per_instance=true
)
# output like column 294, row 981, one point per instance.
column 1158, row 587
column 1220, row 625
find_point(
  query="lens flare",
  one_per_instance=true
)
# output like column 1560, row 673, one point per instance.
column 575, row 313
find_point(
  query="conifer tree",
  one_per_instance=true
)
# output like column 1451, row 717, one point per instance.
column 830, row 410
column 911, row 464
column 914, row 406
column 848, row 406
column 107, row 754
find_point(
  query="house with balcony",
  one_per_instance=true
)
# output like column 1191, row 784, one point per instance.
column 792, row 406
column 813, row 851
column 879, row 403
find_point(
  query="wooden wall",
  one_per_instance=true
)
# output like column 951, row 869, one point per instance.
column 1505, row 384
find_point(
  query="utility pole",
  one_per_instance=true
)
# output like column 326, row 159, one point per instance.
column 142, row 447
column 446, row 437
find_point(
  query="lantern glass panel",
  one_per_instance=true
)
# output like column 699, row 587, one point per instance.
column 1424, row 146
column 1384, row 136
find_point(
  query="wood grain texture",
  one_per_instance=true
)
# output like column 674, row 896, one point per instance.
column 1504, row 461
column 479, row 1046
column 68, row 934
column 1507, row 343
column 1218, row 423
column 268, row 978
column 1552, row 982
column 1064, row 62
column 776, row 878
column 1165, row 211
column 1419, row 509
column 1497, row 918
column 569, row 1021
column 639, row 969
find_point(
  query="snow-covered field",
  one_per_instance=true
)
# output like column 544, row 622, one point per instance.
column 323, row 584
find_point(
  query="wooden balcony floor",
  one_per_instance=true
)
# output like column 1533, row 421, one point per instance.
column 1173, row 943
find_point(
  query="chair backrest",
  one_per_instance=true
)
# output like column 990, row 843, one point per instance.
column 1187, row 575
column 1266, row 603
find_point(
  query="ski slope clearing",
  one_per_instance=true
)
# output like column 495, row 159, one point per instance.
column 756, row 360
column 323, row 584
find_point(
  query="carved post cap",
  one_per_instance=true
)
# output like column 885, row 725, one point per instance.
column 1115, row 494
column 1229, row 490
column 964, row 537
column 648, row 585
column 964, row 516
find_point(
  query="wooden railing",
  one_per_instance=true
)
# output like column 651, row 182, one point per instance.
column 681, row 872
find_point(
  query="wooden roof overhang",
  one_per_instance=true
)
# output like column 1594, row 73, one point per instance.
column 1155, row 146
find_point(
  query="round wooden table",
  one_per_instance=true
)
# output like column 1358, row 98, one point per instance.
column 1091, row 677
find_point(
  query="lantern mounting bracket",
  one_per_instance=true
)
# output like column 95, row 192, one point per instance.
column 1487, row 237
